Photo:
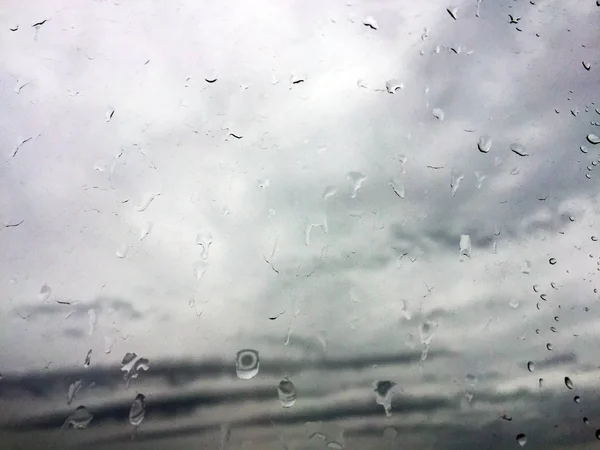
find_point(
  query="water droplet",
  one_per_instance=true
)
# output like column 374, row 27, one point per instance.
column 455, row 179
column 586, row 421
column 536, row 288
column 362, row 83
column 45, row 293
column 594, row 238
column 108, row 343
column 334, row 445
column 577, row 399
column 204, row 239
column 286, row 391
column 586, row 65
column 540, row 383
column 393, row 85
column 588, row 176
column 521, row 439
column 146, row 229
column 132, row 364
column 552, row 261
column 513, row 304
column 138, row 410
column 122, row 251
column 453, row 12
column 568, row 383
column 297, row 78
column 110, row 112
column 484, row 144
column 370, row 22
column 554, row 286
column 80, row 418
column 553, row 329
column 247, row 364
column 519, row 149
column 544, row 297
column 515, row 171
column 357, row 179
column 480, row 178
column 73, row 389
column 88, row 358
column 598, row 430
column 537, row 331
column 593, row 139
column 398, row 187
column 438, row 113
column 549, row 346
column 330, row 191
column 526, row 267
column 384, row 390
column 465, row 245
column 575, row 112
column 531, row 366
column 92, row 320
column 146, row 200
column 583, row 149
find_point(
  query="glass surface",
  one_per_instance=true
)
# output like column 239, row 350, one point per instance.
column 293, row 225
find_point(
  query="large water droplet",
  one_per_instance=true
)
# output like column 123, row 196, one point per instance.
column 357, row 179
column 531, row 366
column 80, row 418
column 519, row 149
column 586, row 65
column 247, row 364
column 45, row 293
column 465, row 245
column 138, row 410
column 568, row 383
column 484, row 144
column 384, row 390
column 521, row 439
column 286, row 391
column 593, row 139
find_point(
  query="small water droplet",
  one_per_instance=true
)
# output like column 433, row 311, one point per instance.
column 593, row 139
column 540, row 383
column 438, row 113
column 537, row 331
column 334, row 445
column 586, row 65
column 146, row 229
column 536, row 288
column 549, row 346
column 455, row 179
column 204, row 239
column 553, row 329
column 480, row 178
column 531, row 366
column 588, row 176
column 370, row 22
column 73, row 389
column 519, row 149
column 583, row 149
column 397, row 187
column 598, row 430
column 453, row 12
column 594, row 238
column 45, row 293
column 137, row 412
column 484, row 144
column 393, row 85
column 110, row 112
column 362, row 83
column 384, row 390
column 577, row 399
column 88, row 358
column 286, row 391
column 586, row 421
column 568, row 383
column 526, row 267
column 79, row 419
column 521, row 439
column 122, row 251
column 92, row 320
column 552, row 261
column 544, row 297
column 465, row 245
column 515, row 171
column 357, row 179
column 247, row 364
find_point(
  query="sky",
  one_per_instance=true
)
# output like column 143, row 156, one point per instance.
column 186, row 179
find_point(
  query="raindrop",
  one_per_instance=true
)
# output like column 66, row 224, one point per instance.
column 540, row 383
column 122, row 251
column 583, row 149
column 484, row 144
column 73, row 389
column 357, row 179
column 146, row 229
column 526, row 267
column 88, row 358
column 45, row 293
column 393, row 85
column 80, row 418
column 531, row 366
column 465, row 245
column 455, row 179
column 398, row 187
column 586, row 65
column 370, row 22
column 110, row 112
column 286, row 391
column 384, row 390
column 544, row 297
column 453, row 12
column 586, row 421
column 246, row 364
column 577, row 399
column 553, row 329
column 146, row 200
column 519, row 149
column 536, row 288
column 515, row 171
column 138, row 410
column 552, row 261
column 588, row 176
column 480, row 178
column 204, row 239
column 554, row 286
column 362, row 83
column 521, row 439
column 330, row 191
column 334, row 445
column 556, row 319
column 296, row 78
column 549, row 346
column 598, row 430
column 593, row 139
column 537, row 331
column 568, row 383
column 92, row 320
column 438, row 113
column 594, row 238
column 132, row 364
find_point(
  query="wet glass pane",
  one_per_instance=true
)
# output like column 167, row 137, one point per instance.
column 327, row 224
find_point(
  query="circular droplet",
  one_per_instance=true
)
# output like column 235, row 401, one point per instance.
column 577, row 399
column 484, row 144
column 521, row 439
column 531, row 366
column 286, row 391
column 246, row 364
column 549, row 346
column 568, row 383
column 594, row 238
column 552, row 261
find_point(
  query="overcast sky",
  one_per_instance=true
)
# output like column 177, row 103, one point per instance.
column 186, row 179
